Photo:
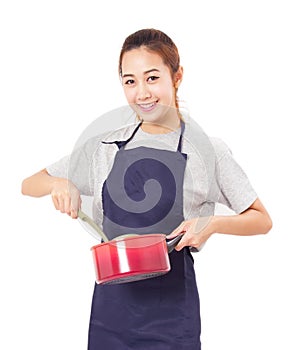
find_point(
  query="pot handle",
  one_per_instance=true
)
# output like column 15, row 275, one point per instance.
column 173, row 243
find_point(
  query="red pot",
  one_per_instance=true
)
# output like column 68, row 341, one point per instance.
column 132, row 258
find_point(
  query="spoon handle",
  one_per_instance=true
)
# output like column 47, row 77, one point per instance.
column 88, row 220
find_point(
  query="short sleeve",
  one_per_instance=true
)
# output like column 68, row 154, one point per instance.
column 234, row 188
column 78, row 167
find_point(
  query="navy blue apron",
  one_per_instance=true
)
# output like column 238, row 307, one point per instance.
column 144, row 194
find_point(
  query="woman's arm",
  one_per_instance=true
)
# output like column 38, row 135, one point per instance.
column 255, row 220
column 39, row 184
column 65, row 195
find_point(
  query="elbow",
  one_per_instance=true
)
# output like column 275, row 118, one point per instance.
column 24, row 187
column 262, row 218
column 267, row 225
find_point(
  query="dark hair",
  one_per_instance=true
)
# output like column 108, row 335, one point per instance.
column 158, row 42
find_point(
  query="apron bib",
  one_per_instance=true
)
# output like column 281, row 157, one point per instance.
column 143, row 194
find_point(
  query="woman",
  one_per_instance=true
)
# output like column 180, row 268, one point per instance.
column 194, row 173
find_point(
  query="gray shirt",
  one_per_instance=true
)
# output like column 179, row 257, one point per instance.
column 211, row 175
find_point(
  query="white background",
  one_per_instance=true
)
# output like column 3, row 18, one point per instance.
column 58, row 74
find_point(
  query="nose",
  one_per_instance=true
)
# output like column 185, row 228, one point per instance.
column 143, row 93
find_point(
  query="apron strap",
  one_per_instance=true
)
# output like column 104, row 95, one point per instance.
column 182, row 125
column 122, row 144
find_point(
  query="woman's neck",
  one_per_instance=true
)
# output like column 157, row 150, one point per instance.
column 168, row 124
column 153, row 128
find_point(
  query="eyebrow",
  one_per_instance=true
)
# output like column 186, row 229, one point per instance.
column 146, row 72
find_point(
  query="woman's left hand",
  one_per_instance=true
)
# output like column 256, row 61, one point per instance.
column 252, row 221
column 195, row 232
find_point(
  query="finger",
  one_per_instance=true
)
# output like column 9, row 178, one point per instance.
column 75, row 206
column 74, row 213
column 188, row 241
column 181, row 244
column 177, row 231
column 61, row 204
column 67, row 205
column 55, row 202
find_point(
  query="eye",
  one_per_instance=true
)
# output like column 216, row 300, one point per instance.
column 152, row 78
column 129, row 82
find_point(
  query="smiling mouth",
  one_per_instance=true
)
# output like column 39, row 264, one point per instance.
column 147, row 107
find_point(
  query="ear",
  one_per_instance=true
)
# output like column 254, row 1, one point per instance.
column 178, row 77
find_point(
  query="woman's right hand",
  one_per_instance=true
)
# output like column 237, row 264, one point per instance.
column 66, row 197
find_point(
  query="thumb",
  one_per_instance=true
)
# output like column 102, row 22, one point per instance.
column 76, row 205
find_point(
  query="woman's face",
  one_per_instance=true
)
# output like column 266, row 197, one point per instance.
column 148, row 85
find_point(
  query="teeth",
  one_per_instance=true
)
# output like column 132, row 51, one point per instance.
column 148, row 105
